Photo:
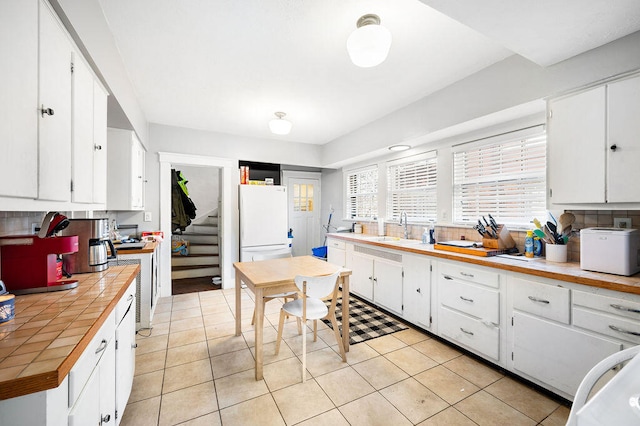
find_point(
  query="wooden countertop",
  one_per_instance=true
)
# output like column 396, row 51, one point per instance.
column 148, row 248
column 569, row 272
column 49, row 332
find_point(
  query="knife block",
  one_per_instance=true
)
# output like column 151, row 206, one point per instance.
column 504, row 241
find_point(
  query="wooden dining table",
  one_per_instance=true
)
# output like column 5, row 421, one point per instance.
column 273, row 276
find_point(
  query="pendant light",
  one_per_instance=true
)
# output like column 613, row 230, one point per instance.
column 279, row 125
column 369, row 44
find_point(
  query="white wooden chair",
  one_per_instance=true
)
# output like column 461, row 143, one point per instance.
column 312, row 307
column 286, row 296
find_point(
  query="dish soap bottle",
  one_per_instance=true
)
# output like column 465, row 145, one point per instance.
column 432, row 233
column 425, row 236
column 528, row 244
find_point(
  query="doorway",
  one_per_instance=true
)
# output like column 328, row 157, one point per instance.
column 228, row 217
column 304, row 210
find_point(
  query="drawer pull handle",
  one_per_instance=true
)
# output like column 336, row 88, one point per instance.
column 624, row 308
column 470, row 333
column 535, row 299
column 466, row 299
column 465, row 274
column 621, row 330
column 447, row 277
column 102, row 347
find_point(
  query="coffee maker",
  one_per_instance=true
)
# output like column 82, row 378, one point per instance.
column 93, row 238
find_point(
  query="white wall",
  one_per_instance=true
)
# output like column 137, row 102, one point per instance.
column 203, row 185
column 509, row 83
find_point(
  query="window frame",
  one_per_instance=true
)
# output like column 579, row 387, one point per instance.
column 407, row 186
column 517, row 197
column 372, row 195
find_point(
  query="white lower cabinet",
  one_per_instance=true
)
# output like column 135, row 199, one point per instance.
column 555, row 354
column 469, row 308
column 377, row 276
column 417, row 290
column 125, row 356
column 336, row 252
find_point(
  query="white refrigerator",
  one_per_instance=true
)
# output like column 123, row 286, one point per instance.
column 263, row 221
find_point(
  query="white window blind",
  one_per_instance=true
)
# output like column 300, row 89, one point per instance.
column 506, row 179
column 411, row 187
column 362, row 193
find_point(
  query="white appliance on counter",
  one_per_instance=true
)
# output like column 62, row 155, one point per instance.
column 610, row 250
column 263, row 220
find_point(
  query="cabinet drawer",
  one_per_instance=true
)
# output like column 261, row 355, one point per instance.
column 609, row 325
column 470, row 332
column 543, row 300
column 336, row 244
column 480, row 302
column 612, row 305
column 471, row 274
column 81, row 371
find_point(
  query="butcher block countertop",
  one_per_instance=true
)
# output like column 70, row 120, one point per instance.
column 569, row 272
column 49, row 332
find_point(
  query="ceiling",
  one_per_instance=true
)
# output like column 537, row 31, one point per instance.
column 228, row 65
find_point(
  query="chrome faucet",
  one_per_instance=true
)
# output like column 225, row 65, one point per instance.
column 406, row 231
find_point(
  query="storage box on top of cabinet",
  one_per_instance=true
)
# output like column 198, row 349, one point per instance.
column 126, row 171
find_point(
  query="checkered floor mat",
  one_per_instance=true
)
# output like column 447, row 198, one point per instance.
column 365, row 321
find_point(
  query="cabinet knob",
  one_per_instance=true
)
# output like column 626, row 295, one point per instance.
column 97, row 147
column 105, row 419
column 47, row 111
column 418, row 290
column 613, row 147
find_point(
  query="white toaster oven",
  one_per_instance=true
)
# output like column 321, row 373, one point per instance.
column 610, row 250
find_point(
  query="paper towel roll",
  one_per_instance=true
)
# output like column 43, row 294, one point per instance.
column 380, row 226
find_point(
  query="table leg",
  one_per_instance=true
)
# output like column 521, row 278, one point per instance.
column 345, row 313
column 259, row 328
column 238, row 305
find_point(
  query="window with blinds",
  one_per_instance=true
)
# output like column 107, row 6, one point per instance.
column 362, row 193
column 411, row 187
column 505, row 178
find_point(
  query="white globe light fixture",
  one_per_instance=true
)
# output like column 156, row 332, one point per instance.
column 280, row 126
column 369, row 44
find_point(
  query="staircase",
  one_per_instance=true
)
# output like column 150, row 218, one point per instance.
column 203, row 259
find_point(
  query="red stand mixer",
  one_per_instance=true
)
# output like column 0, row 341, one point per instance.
column 30, row 262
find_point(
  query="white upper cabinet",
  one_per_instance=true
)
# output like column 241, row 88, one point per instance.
column 593, row 145
column 623, row 173
column 54, row 178
column 89, row 159
column 126, row 156
column 18, row 112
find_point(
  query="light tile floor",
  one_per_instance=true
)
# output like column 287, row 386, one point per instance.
column 191, row 369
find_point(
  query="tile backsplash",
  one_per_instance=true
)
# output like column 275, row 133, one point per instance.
column 584, row 219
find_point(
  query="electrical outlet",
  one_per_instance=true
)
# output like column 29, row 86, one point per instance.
column 622, row 222
column 147, row 216
column 35, row 228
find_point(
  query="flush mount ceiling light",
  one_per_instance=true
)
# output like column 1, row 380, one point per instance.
column 369, row 44
column 280, row 126
column 399, row 147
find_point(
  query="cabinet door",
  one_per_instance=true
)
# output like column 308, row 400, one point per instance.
column 108, row 385
column 417, row 290
column 18, row 109
column 86, row 411
column 82, row 119
column 99, row 144
column 623, row 173
column 137, row 168
column 556, row 354
column 387, row 280
column 336, row 256
column 576, row 148
column 361, row 282
column 125, row 359
column 54, row 177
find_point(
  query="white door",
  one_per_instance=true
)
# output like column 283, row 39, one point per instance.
column 304, row 210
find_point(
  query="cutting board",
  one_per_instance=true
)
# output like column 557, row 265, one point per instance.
column 480, row 251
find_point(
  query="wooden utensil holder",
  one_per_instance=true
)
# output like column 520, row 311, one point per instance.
column 504, row 240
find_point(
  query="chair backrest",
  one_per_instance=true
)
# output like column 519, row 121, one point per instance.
column 257, row 257
column 318, row 287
